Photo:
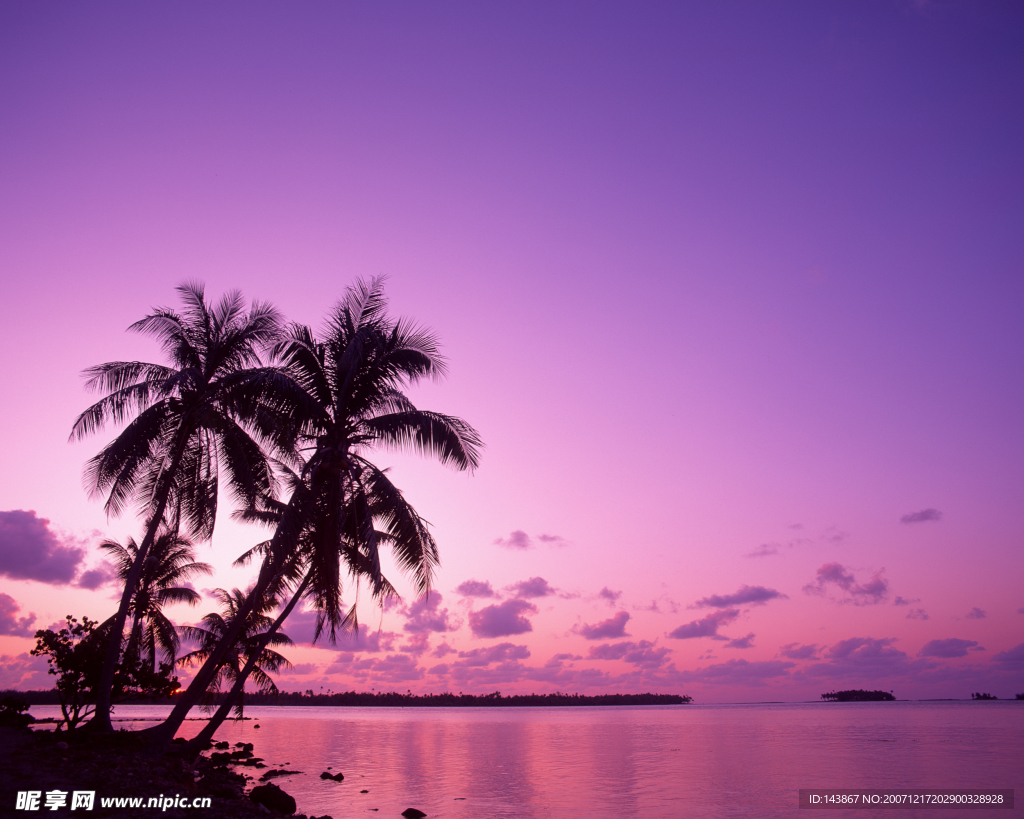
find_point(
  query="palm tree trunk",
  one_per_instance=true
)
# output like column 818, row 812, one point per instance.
column 104, row 689
column 162, row 734
column 237, row 689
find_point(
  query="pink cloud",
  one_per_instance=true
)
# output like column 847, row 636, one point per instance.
column 517, row 540
column 976, row 614
column 29, row 550
column 610, row 596
column 534, row 587
column 740, row 672
column 924, row 516
column 502, row 652
column 948, row 648
column 554, row 540
column 794, row 651
column 607, row 629
column 742, row 642
column 706, row 626
column 643, row 653
column 835, row 574
column 9, row 621
column 1011, row 659
column 426, row 615
column 24, row 672
column 764, row 550
column 502, row 619
column 476, row 588
column 746, row 596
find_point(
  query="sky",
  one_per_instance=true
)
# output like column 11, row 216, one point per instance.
column 731, row 292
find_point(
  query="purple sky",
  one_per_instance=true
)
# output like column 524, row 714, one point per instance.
column 732, row 292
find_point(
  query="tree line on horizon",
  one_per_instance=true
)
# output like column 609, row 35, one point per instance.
column 286, row 420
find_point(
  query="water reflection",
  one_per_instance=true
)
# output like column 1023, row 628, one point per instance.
column 660, row 761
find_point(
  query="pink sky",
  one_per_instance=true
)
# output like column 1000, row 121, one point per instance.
column 731, row 291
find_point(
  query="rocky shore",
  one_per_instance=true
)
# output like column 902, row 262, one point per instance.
column 118, row 766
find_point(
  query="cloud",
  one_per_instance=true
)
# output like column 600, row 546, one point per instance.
column 611, row 596
column 747, row 595
column 1011, row 659
column 742, row 642
column 947, row 649
column 976, row 614
column 605, row 630
column 24, row 672
column 554, row 540
column 798, row 652
column 923, row 516
column 860, row 594
column 764, row 550
column 418, row 644
column 442, row 650
column 517, row 540
column 476, row 588
column 707, row 626
column 502, row 619
column 92, row 579
column 534, row 587
column 903, row 601
column 9, row 621
column 863, row 658
column 301, row 669
column 426, row 615
column 29, row 550
column 502, row 652
column 643, row 654
column 917, row 614
column 739, row 672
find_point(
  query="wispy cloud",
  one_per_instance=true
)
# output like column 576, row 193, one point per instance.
column 706, row 626
column 924, row 516
column 903, row 601
column 834, row 574
column 764, row 550
column 746, row 596
column 917, row 614
column 553, row 540
column 517, row 540
column 976, row 614
column 607, row 629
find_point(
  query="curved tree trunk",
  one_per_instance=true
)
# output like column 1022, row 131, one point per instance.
column 104, row 689
column 199, row 741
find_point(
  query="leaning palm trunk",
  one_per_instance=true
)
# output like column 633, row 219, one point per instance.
column 234, row 695
column 105, row 687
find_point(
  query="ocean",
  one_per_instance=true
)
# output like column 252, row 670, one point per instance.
column 748, row 760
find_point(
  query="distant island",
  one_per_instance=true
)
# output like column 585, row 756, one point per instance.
column 858, row 695
column 393, row 699
column 977, row 695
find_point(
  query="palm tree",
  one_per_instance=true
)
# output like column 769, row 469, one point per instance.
column 248, row 648
column 187, row 420
column 169, row 564
column 346, row 399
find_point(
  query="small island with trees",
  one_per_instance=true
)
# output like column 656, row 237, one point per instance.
column 858, row 695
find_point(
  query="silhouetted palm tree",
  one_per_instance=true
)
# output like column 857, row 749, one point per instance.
column 169, row 564
column 185, row 421
column 248, row 646
column 347, row 399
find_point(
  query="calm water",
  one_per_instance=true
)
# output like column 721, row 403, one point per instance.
column 659, row 761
